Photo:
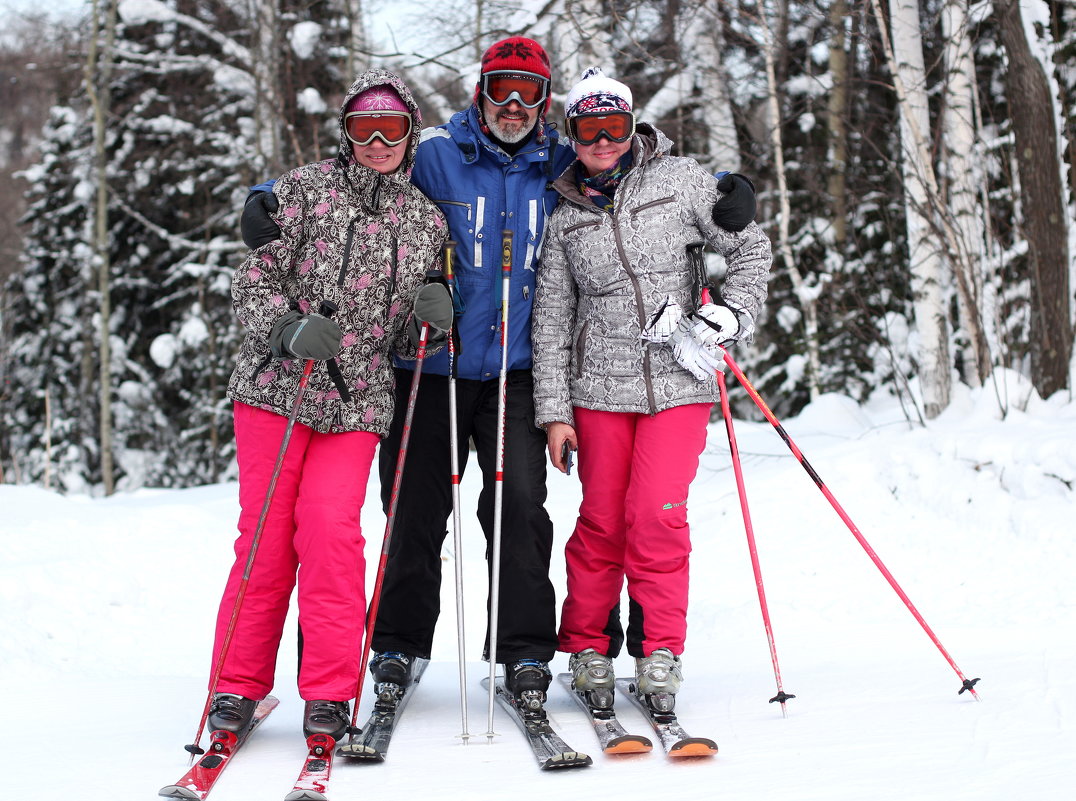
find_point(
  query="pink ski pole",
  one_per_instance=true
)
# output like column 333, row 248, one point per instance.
column 966, row 684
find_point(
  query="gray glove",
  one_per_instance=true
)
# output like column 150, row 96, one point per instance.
column 306, row 336
column 433, row 305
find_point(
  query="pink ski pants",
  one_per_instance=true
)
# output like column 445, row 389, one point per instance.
column 311, row 534
column 635, row 470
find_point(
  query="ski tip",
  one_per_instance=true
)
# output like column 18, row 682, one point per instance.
column 567, row 759
column 175, row 791
column 361, row 752
column 694, row 747
column 629, row 744
column 305, row 795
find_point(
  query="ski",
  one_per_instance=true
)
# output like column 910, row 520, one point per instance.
column 549, row 749
column 372, row 742
column 314, row 777
column 612, row 736
column 674, row 739
column 199, row 780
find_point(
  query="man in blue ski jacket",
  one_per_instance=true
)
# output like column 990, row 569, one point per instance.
column 488, row 169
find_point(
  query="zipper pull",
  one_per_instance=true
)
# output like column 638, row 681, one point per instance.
column 526, row 292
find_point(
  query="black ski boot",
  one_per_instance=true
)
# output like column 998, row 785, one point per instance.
column 327, row 717
column 393, row 672
column 392, row 667
column 528, row 680
column 230, row 712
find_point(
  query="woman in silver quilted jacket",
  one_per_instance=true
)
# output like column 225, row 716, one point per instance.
column 624, row 361
column 341, row 290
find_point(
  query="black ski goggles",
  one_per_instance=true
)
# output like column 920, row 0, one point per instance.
column 587, row 129
column 502, row 87
column 391, row 127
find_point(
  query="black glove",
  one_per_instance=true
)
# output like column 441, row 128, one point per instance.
column 257, row 227
column 433, row 305
column 735, row 209
column 306, row 336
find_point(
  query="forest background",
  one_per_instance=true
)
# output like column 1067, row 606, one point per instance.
column 915, row 163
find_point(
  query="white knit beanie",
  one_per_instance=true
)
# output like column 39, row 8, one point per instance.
column 595, row 93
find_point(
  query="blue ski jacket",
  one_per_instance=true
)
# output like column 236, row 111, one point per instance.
column 483, row 191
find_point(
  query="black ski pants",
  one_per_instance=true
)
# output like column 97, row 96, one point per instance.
column 410, row 598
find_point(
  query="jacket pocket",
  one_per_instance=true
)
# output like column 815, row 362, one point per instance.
column 659, row 202
column 579, row 350
column 577, row 226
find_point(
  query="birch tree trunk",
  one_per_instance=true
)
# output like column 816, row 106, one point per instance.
column 98, row 77
column 358, row 50
column 924, row 251
column 837, row 108
column 267, row 117
column 584, row 42
column 964, row 180
column 805, row 287
column 722, row 143
column 1035, row 122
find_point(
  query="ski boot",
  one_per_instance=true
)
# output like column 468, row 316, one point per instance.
column 327, row 717
column 230, row 712
column 528, row 680
column 392, row 672
column 592, row 676
column 658, row 678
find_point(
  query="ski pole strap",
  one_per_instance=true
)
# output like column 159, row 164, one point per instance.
column 338, row 379
column 697, row 266
column 327, row 309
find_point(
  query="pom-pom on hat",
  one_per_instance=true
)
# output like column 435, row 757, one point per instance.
column 378, row 98
column 516, row 54
column 596, row 93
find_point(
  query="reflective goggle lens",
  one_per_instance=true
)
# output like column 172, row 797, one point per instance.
column 391, row 127
column 617, row 126
column 501, row 88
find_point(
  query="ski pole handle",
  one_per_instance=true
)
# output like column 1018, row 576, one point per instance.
column 506, row 252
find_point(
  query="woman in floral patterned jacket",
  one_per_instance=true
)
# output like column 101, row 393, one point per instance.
column 624, row 361
column 343, row 287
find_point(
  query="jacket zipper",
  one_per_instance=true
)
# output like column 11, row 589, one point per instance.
column 647, row 378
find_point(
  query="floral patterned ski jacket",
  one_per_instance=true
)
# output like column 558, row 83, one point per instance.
column 354, row 238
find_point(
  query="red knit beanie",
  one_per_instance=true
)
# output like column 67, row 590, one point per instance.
column 516, row 54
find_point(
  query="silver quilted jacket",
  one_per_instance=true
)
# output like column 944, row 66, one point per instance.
column 358, row 239
column 602, row 276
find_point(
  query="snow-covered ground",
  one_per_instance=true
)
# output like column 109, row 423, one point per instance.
column 108, row 608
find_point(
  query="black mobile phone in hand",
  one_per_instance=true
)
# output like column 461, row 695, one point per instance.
column 566, row 456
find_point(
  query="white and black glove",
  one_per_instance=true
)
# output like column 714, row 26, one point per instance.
column 306, row 336
column 662, row 322
column 696, row 342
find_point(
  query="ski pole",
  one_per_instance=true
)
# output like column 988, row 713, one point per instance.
column 781, row 696
column 734, row 450
column 457, row 540
column 327, row 309
column 966, row 684
column 498, row 494
column 350, row 749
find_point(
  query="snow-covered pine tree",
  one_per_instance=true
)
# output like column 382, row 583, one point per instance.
column 181, row 153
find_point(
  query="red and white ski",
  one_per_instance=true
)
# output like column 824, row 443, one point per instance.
column 313, row 779
column 199, row 780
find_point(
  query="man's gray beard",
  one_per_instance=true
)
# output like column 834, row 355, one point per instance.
column 505, row 136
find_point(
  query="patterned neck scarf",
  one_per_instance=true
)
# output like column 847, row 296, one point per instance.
column 601, row 188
